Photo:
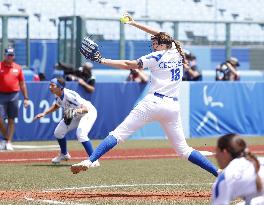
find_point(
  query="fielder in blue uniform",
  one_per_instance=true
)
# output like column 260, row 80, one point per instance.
column 160, row 104
column 82, row 121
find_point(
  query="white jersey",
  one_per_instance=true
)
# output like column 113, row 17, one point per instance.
column 71, row 99
column 166, row 70
column 238, row 179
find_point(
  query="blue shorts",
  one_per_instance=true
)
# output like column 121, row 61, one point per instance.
column 9, row 105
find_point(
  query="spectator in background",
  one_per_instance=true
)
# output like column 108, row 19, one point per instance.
column 83, row 75
column 227, row 71
column 191, row 73
column 36, row 77
column 11, row 82
column 138, row 76
column 42, row 76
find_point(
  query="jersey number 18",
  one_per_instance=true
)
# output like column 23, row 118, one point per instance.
column 175, row 74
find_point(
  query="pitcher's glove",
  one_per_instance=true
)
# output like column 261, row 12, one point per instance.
column 90, row 51
column 68, row 115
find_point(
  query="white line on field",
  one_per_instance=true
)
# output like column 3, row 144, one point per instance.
column 52, row 201
column 35, row 146
column 124, row 185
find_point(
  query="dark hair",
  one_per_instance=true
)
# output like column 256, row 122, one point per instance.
column 237, row 147
column 165, row 38
column 42, row 76
column 61, row 81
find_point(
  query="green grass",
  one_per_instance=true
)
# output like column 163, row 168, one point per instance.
column 44, row 176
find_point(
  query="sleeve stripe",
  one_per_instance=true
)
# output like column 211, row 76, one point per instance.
column 157, row 58
column 220, row 178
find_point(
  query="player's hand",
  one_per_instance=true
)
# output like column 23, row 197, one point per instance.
column 81, row 110
column 73, row 77
column 26, row 102
column 38, row 116
column 81, row 81
column 131, row 20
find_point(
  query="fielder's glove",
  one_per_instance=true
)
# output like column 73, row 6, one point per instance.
column 68, row 115
column 89, row 50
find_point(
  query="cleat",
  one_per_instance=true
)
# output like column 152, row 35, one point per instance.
column 9, row 146
column 82, row 166
column 95, row 164
column 61, row 157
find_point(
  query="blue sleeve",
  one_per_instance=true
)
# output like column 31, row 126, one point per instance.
column 221, row 193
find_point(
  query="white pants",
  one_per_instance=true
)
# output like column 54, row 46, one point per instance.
column 153, row 108
column 83, row 125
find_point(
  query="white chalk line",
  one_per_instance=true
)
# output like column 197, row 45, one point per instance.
column 35, row 146
column 125, row 185
column 52, row 201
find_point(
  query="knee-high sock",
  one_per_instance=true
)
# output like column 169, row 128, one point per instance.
column 197, row 158
column 88, row 147
column 63, row 145
column 108, row 143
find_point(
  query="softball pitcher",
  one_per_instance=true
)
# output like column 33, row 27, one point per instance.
column 83, row 118
column 242, row 175
column 160, row 104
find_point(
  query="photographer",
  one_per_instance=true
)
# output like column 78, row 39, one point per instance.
column 227, row 71
column 83, row 75
column 138, row 76
column 191, row 73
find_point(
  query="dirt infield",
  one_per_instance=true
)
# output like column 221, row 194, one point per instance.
column 65, row 197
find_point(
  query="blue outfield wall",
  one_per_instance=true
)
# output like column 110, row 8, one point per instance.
column 226, row 107
column 208, row 109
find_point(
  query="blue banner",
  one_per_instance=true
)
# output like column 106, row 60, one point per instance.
column 113, row 102
column 215, row 108
column 226, row 107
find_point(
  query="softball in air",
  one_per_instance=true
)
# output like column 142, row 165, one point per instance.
column 124, row 19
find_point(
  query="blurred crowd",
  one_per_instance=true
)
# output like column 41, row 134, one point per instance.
column 228, row 70
column 191, row 72
column 83, row 75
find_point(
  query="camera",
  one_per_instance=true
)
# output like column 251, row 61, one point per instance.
column 223, row 72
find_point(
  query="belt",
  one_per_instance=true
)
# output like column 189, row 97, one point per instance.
column 162, row 96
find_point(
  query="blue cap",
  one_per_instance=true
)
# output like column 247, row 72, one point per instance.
column 9, row 51
column 55, row 81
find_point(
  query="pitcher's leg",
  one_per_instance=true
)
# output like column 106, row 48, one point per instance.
column 176, row 137
column 107, row 144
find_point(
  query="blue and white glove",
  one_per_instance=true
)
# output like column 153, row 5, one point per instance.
column 89, row 49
